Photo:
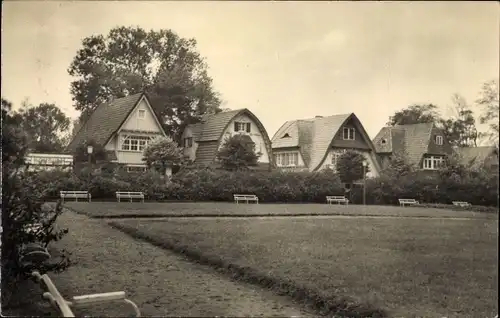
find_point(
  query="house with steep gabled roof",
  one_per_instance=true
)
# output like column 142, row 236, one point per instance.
column 486, row 156
column 317, row 143
column 124, row 127
column 201, row 141
column 424, row 144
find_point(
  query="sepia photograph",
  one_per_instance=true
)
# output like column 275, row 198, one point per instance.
column 250, row 159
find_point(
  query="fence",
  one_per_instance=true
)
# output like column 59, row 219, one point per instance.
column 34, row 254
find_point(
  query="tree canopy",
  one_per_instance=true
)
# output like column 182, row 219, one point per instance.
column 415, row 114
column 162, row 153
column 237, row 152
column 130, row 60
column 46, row 127
column 489, row 103
column 350, row 167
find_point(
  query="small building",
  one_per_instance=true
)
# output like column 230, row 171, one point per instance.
column 45, row 161
column 124, row 127
column 317, row 143
column 201, row 141
column 425, row 145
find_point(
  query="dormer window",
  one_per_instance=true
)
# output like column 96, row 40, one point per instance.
column 349, row 133
column 241, row 126
column 286, row 136
column 439, row 140
column 384, row 141
column 188, row 142
column 141, row 114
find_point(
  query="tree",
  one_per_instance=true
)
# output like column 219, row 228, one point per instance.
column 45, row 126
column 350, row 167
column 80, row 154
column 237, row 152
column 162, row 153
column 460, row 129
column 489, row 103
column 415, row 114
column 130, row 60
column 399, row 165
column 22, row 205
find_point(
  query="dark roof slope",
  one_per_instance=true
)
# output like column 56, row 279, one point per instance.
column 208, row 133
column 413, row 139
column 104, row 121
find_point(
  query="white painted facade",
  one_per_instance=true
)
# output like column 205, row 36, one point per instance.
column 189, row 151
column 255, row 135
column 140, row 128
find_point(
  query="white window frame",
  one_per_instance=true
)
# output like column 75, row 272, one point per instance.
column 135, row 143
column 433, row 162
column 439, row 140
column 351, row 133
column 143, row 112
column 188, row 142
column 287, row 159
column 241, row 126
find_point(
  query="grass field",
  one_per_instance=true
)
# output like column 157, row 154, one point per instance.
column 407, row 267
column 153, row 209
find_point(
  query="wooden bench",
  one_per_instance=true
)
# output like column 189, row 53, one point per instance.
column 245, row 197
column 403, row 202
column 75, row 195
column 129, row 195
column 461, row 203
column 337, row 198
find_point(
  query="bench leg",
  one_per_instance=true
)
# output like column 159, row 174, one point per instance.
column 76, row 198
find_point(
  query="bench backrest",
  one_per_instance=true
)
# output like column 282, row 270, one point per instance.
column 74, row 192
column 335, row 197
column 244, row 196
column 129, row 193
column 407, row 200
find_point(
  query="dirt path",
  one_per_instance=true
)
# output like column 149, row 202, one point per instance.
column 161, row 283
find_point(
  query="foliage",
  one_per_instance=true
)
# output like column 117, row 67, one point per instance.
column 415, row 114
column 488, row 100
column 22, row 205
column 237, row 152
column 350, row 167
column 130, row 60
column 45, row 126
column 80, row 155
column 399, row 165
column 460, row 130
column 162, row 153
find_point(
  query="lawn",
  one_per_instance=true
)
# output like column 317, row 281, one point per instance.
column 406, row 266
column 154, row 209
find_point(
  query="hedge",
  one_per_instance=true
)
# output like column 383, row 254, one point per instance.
column 293, row 187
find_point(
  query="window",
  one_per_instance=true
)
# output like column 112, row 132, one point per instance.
column 188, row 142
column 287, row 159
column 286, row 136
column 241, row 126
column 335, row 157
column 142, row 114
column 135, row 143
column 349, row 133
column 433, row 162
column 384, row 141
column 439, row 140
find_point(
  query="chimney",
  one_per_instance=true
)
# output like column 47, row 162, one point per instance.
column 318, row 116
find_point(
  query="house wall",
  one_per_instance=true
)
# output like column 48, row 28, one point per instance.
column 358, row 143
column 435, row 149
column 255, row 134
column 191, row 151
column 133, row 122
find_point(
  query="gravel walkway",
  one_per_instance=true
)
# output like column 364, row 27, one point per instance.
column 160, row 282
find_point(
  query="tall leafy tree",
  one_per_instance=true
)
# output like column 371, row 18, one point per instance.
column 350, row 167
column 129, row 60
column 45, row 127
column 460, row 129
column 237, row 152
column 489, row 103
column 415, row 114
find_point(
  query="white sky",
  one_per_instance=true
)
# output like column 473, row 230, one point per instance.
column 282, row 60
